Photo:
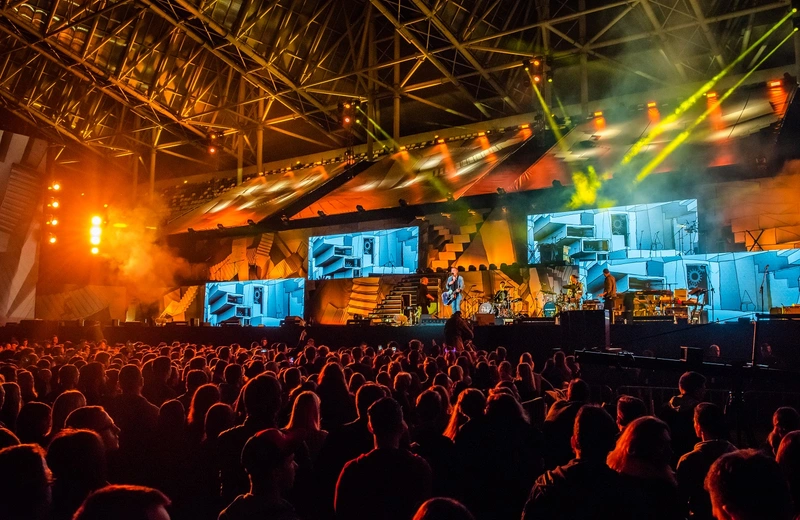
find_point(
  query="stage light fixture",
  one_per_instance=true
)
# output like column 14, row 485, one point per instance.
column 711, row 95
column 537, row 78
column 501, row 191
column 95, row 250
column 251, row 222
column 220, row 227
column 776, row 83
column 95, row 241
column 440, row 141
column 96, row 220
column 403, row 203
column 526, row 64
column 51, row 238
column 524, row 126
column 95, row 231
column 360, row 208
column 321, row 214
column 54, row 222
column 652, row 104
column 598, row 113
column 481, row 134
column 212, row 149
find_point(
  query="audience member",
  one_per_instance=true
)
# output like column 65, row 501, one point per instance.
column 642, row 457
column 96, row 419
column 124, row 503
column 586, row 487
column 748, row 485
column 24, row 483
column 33, row 423
column 679, row 412
column 442, row 509
column 367, row 489
column 261, row 397
column 788, row 459
column 558, row 424
column 268, row 459
column 628, row 409
column 77, row 459
column 710, row 427
column 65, row 404
column 784, row 420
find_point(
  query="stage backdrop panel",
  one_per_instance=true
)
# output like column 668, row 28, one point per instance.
column 356, row 255
column 636, row 231
column 254, row 303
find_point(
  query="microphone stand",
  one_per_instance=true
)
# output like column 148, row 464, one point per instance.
column 761, row 288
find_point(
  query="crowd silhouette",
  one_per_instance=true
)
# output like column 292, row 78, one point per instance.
column 409, row 431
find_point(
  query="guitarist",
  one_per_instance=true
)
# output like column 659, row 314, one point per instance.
column 454, row 286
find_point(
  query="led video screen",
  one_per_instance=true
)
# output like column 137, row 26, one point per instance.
column 737, row 283
column 596, row 235
column 369, row 253
column 255, row 303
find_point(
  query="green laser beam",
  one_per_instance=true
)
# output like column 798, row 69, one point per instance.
column 694, row 98
column 683, row 136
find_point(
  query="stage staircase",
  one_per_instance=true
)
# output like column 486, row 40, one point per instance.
column 393, row 303
column 447, row 241
column 363, row 296
column 176, row 308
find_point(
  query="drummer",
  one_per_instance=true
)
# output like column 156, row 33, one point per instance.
column 501, row 296
column 575, row 289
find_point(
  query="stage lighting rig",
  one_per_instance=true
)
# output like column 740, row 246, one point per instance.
column 347, row 113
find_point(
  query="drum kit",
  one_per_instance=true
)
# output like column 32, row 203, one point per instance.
column 503, row 304
column 569, row 299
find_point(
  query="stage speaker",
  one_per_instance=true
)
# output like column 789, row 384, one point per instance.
column 427, row 320
column 619, row 224
column 584, row 330
column 697, row 276
column 484, row 319
column 258, row 294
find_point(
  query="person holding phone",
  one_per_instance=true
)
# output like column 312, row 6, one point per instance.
column 454, row 287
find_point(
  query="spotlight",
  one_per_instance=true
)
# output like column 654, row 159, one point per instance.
column 250, row 222
column 96, row 221
column 711, row 95
column 481, row 134
column 651, row 104
column 190, row 230
column 54, row 222
column 440, row 141
column 95, row 250
column 321, row 214
column 524, row 126
column 776, row 83
column 599, row 113
column 501, row 191
column 220, row 227
column 403, row 203
column 51, row 238
column 360, row 208
column 212, row 149
column 95, row 231
column 94, row 241
column 53, row 203
column 537, row 78
column 526, row 64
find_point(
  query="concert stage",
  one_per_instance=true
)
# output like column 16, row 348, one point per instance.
column 663, row 338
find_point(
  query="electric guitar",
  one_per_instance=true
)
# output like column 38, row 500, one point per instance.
column 450, row 296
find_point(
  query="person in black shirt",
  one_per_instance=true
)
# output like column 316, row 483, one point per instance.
column 456, row 330
column 389, row 482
